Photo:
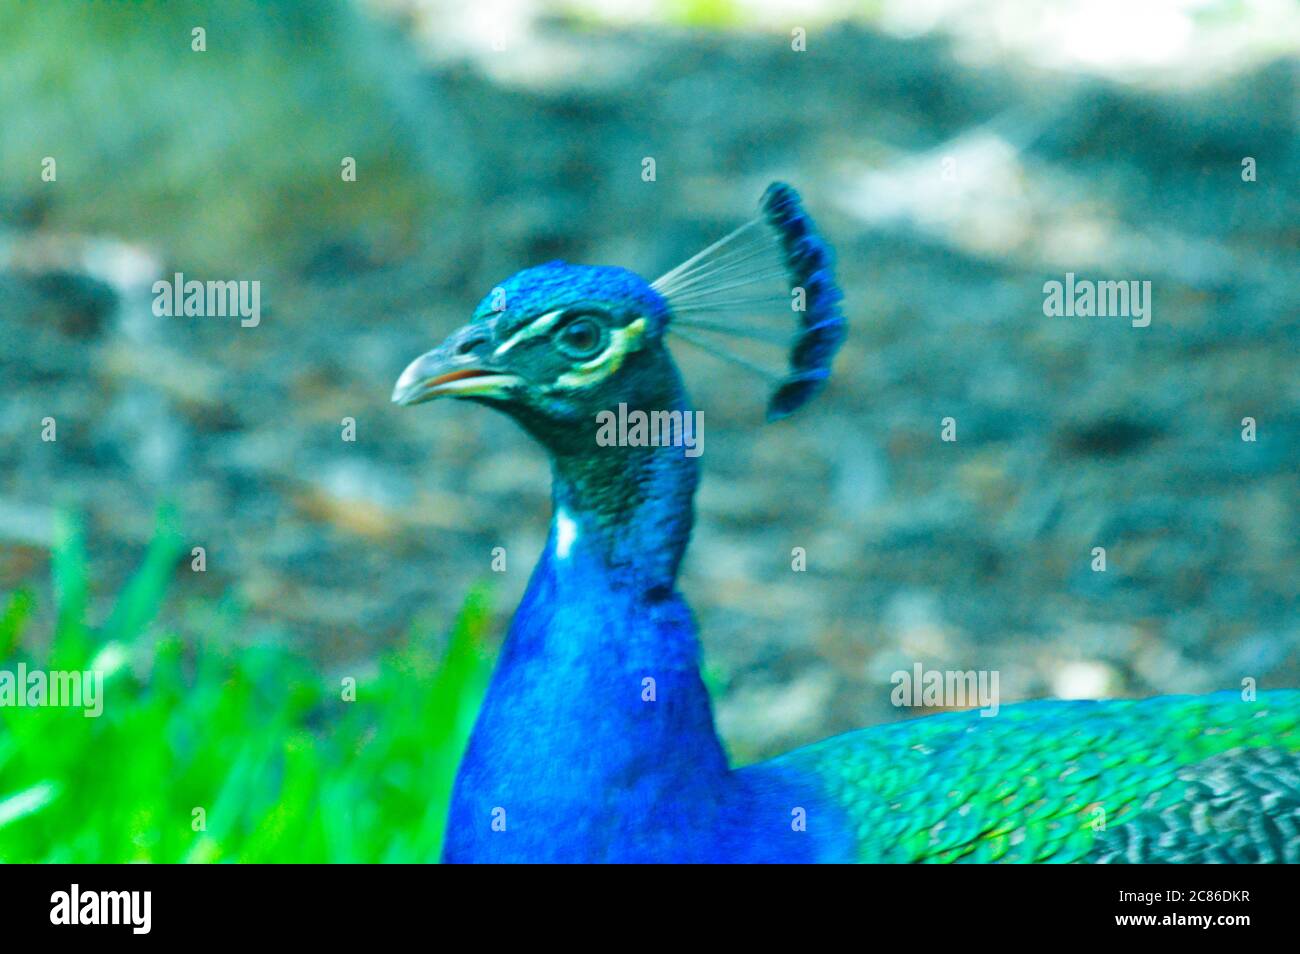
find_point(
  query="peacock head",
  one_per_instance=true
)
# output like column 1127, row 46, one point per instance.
column 556, row 345
column 553, row 346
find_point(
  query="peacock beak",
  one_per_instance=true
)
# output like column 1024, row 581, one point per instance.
column 444, row 373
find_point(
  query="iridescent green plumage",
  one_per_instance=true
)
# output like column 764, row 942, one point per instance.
column 1177, row 778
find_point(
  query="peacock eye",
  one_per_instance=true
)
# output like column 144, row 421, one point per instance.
column 581, row 338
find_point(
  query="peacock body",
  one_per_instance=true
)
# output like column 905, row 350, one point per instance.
column 596, row 741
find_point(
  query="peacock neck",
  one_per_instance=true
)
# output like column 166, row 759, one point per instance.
column 602, row 626
column 627, row 510
column 598, row 688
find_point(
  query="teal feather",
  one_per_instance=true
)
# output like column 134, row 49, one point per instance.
column 1173, row 779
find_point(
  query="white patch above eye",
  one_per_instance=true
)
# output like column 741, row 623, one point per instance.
column 538, row 326
column 566, row 532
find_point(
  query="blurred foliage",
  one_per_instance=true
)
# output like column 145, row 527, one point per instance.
column 284, row 770
column 228, row 158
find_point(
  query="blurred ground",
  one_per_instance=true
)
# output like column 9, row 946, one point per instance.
column 953, row 185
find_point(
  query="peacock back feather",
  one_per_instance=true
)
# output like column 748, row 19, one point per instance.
column 1170, row 779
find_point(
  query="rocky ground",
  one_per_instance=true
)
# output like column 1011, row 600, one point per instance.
column 952, row 192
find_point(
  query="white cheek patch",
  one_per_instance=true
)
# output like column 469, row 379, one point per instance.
column 566, row 532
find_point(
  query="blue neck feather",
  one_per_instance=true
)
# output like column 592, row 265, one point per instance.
column 596, row 739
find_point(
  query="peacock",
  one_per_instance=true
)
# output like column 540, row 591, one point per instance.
column 595, row 741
